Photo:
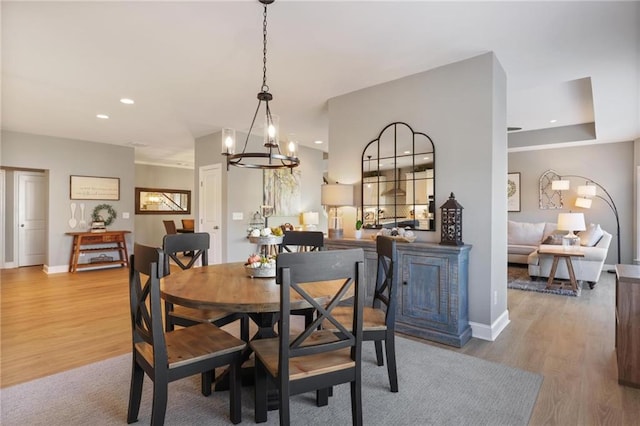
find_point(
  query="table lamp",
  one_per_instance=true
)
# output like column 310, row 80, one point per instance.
column 571, row 222
column 334, row 196
column 310, row 220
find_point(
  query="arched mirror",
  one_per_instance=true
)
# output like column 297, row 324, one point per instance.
column 398, row 180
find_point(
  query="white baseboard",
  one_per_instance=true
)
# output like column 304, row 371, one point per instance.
column 485, row 332
column 55, row 269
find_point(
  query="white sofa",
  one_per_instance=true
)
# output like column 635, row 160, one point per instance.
column 587, row 268
column 525, row 238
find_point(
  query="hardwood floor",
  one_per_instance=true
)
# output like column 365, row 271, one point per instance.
column 52, row 323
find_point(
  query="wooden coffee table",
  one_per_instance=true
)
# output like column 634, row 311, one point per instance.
column 559, row 252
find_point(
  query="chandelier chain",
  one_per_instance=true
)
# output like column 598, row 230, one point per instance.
column 265, row 88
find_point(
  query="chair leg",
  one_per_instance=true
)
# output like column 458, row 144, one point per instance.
column 356, row 402
column 390, row 348
column 244, row 328
column 168, row 323
column 322, row 397
column 379, row 357
column 260, row 392
column 235, row 389
column 135, row 392
column 159, row 405
column 207, row 382
column 283, row 396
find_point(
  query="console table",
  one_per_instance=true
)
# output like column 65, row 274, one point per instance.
column 86, row 242
column 628, row 324
column 432, row 292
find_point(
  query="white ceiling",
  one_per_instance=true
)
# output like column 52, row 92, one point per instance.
column 196, row 67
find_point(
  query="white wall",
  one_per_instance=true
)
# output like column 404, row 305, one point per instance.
column 62, row 158
column 462, row 107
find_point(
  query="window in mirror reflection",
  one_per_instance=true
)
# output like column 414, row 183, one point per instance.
column 398, row 180
column 163, row 201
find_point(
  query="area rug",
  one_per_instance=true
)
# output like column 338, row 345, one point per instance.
column 437, row 387
column 518, row 278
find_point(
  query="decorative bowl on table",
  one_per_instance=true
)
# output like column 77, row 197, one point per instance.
column 260, row 266
column 398, row 234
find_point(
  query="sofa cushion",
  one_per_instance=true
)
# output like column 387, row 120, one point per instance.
column 526, row 234
column 550, row 229
column 591, row 235
column 520, row 249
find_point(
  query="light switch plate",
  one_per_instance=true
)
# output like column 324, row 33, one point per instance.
column 125, row 215
column 237, row 216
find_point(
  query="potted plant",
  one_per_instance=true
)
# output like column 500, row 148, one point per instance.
column 358, row 229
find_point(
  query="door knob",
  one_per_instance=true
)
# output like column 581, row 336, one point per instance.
column 216, row 227
column 22, row 225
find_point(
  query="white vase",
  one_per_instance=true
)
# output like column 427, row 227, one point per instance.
column 358, row 233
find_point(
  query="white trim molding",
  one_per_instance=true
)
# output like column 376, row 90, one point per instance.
column 485, row 332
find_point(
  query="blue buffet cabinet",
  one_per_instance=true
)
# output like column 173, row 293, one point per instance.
column 433, row 288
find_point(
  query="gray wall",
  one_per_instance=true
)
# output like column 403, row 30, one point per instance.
column 242, row 192
column 149, row 227
column 461, row 106
column 61, row 158
column 611, row 165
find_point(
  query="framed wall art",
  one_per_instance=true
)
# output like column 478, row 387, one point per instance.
column 94, row 188
column 513, row 192
column 282, row 191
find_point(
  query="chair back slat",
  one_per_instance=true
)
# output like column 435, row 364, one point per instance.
column 197, row 243
column 295, row 241
column 170, row 226
column 345, row 267
column 387, row 278
column 145, row 269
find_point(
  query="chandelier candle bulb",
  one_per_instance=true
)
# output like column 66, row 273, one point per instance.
column 228, row 141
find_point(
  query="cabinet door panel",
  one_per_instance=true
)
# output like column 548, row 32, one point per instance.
column 425, row 292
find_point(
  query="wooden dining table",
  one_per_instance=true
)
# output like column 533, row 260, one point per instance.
column 228, row 286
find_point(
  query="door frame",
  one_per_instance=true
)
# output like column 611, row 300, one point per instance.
column 3, row 196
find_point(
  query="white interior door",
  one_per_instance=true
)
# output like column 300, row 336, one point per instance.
column 210, row 208
column 32, row 214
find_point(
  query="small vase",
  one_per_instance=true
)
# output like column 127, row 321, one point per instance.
column 358, row 233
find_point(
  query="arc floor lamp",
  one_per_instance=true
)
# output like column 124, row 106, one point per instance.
column 585, row 194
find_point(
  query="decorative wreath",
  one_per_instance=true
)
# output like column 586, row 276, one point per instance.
column 97, row 217
column 511, row 188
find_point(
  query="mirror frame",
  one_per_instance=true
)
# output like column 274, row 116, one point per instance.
column 418, row 148
column 139, row 200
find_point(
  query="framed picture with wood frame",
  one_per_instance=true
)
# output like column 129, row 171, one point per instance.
column 513, row 192
column 94, row 188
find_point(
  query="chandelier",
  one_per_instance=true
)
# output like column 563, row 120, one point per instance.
column 272, row 157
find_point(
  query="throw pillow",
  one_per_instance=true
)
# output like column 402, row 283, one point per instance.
column 554, row 240
column 591, row 236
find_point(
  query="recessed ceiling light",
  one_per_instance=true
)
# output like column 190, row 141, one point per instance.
column 407, row 152
column 127, row 101
column 552, row 121
column 318, row 142
column 102, row 116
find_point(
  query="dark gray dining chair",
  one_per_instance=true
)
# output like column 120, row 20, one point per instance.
column 173, row 355
column 380, row 318
column 313, row 359
column 198, row 244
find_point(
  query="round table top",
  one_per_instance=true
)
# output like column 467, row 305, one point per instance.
column 227, row 286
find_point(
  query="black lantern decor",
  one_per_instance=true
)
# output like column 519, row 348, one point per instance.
column 451, row 222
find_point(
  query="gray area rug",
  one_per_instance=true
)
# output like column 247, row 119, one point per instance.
column 518, row 278
column 437, row 387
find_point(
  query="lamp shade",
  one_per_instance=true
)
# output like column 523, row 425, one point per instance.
column 584, row 203
column 310, row 218
column 571, row 222
column 560, row 185
column 587, row 191
column 336, row 195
